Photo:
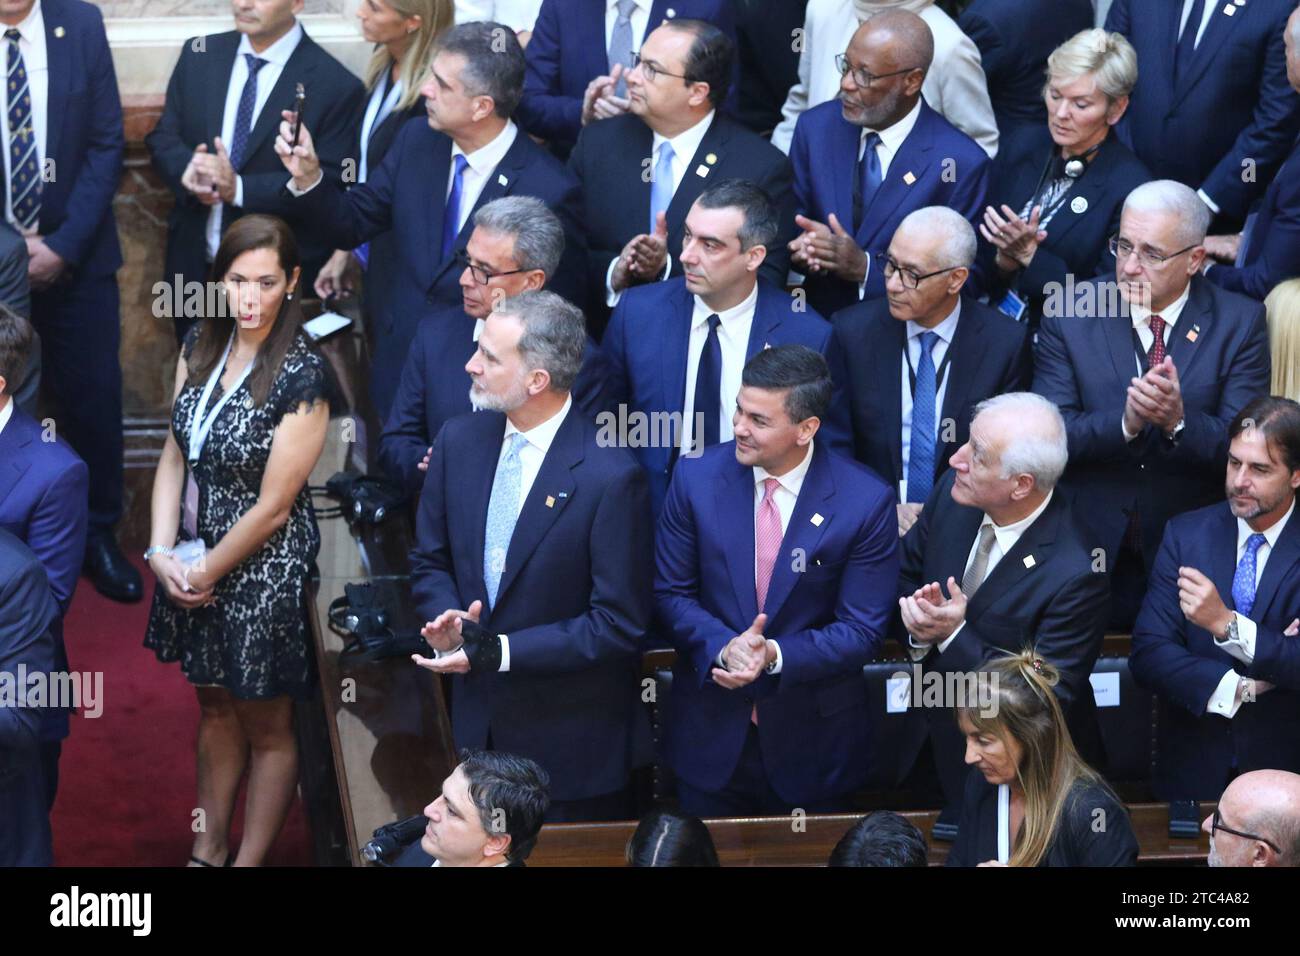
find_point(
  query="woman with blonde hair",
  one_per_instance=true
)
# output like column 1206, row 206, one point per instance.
column 1283, row 308
column 1030, row 799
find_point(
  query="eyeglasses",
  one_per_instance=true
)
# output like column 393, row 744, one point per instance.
column 1121, row 249
column 651, row 71
column 481, row 275
column 1216, row 824
column 910, row 279
column 861, row 77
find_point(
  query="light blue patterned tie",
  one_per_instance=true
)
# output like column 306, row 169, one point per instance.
column 503, row 512
column 1243, row 582
column 661, row 190
column 920, row 453
column 24, row 163
column 620, row 43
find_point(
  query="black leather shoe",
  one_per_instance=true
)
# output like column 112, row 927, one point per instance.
column 110, row 572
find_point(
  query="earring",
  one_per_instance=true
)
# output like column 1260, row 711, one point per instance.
column 289, row 296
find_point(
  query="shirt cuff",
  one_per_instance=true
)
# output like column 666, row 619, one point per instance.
column 611, row 297
column 943, row 645
column 239, row 192
column 294, row 190
column 775, row 666
column 1226, row 699
column 862, row 286
column 505, row 654
column 1243, row 648
column 1214, row 207
column 1128, row 435
column 916, row 651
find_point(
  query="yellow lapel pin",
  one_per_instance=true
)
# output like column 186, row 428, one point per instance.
column 550, row 501
column 60, row 32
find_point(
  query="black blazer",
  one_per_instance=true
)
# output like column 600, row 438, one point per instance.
column 991, row 354
column 192, row 114
column 1057, row 602
column 1077, row 243
column 1079, row 841
column 610, row 162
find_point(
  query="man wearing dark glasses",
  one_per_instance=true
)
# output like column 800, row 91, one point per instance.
column 1257, row 821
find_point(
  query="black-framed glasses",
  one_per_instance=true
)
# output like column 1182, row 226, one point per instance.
column 1121, row 249
column 1216, row 824
column 910, row 278
column 863, row 78
column 651, row 71
column 481, row 275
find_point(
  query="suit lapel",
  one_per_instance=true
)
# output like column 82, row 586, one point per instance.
column 841, row 157
column 299, row 69
column 1029, row 554
column 713, row 144
column 1223, row 554
column 1091, row 189
column 13, row 463
column 481, row 458
column 768, row 316
column 1217, row 30
column 221, row 63
column 436, row 204
column 889, row 368
column 1193, row 326
column 499, row 183
column 804, row 533
column 1281, row 560
column 965, row 362
column 1118, row 333
column 959, row 534
column 913, row 158
column 734, row 500
column 676, row 348
column 59, row 67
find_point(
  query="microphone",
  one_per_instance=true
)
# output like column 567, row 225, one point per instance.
column 391, row 837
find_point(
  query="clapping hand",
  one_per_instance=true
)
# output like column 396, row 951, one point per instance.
column 643, row 258
column 827, row 248
column 1016, row 240
column 930, row 617
column 746, row 655
column 599, row 101
column 444, row 632
column 1156, row 397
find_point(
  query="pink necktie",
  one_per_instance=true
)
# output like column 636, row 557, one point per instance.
column 767, row 539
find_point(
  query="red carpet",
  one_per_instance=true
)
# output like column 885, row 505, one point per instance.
column 126, row 790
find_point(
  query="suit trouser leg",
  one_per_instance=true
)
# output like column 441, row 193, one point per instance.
column 50, row 752
column 81, row 330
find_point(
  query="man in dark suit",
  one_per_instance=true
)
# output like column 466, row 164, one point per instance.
column 63, row 158
column 433, row 178
column 1216, row 639
column 909, row 368
column 1148, row 373
column 773, row 625
column 43, row 488
column 581, row 52
column 656, row 160
column 1212, row 107
column 1267, row 251
column 214, row 143
column 1015, row 38
column 998, row 524
column 532, row 565
column 26, row 611
column 516, row 245
column 865, row 160
column 676, row 349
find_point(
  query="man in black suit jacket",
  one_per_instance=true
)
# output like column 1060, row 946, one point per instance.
column 998, row 525
column 641, row 172
column 1148, row 417
column 956, row 352
column 533, row 567
column 214, row 143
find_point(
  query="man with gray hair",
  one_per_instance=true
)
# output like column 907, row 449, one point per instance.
column 998, row 562
column 533, row 567
column 1148, row 371
column 917, row 361
column 516, row 246
column 1259, row 819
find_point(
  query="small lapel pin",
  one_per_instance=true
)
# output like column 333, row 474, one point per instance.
column 818, row 562
column 562, row 495
column 1191, row 336
column 767, row 345
column 1029, row 561
column 550, row 501
column 501, row 178
column 1079, row 205
column 670, row 12
column 60, row 32
column 909, row 177
column 1229, row 10
column 711, row 158
column 701, row 170
column 817, row 520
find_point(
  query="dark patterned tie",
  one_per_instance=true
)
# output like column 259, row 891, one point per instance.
column 1157, row 353
column 244, row 116
column 24, row 163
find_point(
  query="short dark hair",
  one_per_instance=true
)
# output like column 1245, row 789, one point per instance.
column 796, row 368
column 494, row 61
column 1279, row 421
column 665, row 838
column 508, row 791
column 762, row 222
column 880, row 839
column 16, row 338
column 709, row 58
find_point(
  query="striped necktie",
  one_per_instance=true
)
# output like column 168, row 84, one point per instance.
column 24, row 163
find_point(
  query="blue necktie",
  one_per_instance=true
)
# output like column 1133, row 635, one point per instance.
column 920, row 454
column 868, row 179
column 661, row 190
column 620, row 43
column 1243, row 582
column 1185, row 51
column 244, row 116
column 708, row 387
column 503, row 512
column 24, row 163
column 451, row 218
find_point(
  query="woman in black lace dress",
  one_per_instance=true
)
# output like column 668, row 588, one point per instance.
column 233, row 534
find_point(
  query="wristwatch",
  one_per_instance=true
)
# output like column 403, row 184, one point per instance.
column 1177, row 433
column 155, row 549
column 1230, row 635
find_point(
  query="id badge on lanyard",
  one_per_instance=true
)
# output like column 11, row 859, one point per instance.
column 200, row 428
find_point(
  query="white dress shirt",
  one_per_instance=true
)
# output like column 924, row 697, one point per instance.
column 378, row 108
column 733, row 340
column 911, row 360
column 1210, row 8
column 276, row 56
column 31, row 44
column 480, row 167
column 1142, row 325
column 1227, row 697
column 518, row 15
column 685, row 144
column 6, row 413
column 639, row 17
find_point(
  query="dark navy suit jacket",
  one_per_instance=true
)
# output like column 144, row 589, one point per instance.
column 406, row 194
column 1235, row 109
column 828, row 604
column 1273, row 246
column 435, row 387
column 574, row 600
column 84, row 140
column 937, row 165
column 647, row 343
column 26, row 612
column 1084, row 361
column 1181, row 663
column 43, row 488
column 991, row 354
column 567, row 51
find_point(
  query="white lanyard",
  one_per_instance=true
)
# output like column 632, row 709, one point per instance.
column 1004, row 823
column 201, row 428
column 377, row 111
